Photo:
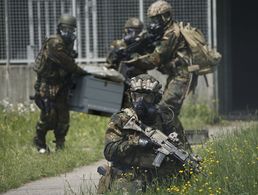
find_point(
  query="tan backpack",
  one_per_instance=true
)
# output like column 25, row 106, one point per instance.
column 204, row 59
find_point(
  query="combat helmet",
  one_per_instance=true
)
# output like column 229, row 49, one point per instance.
column 66, row 28
column 160, row 14
column 158, row 8
column 67, row 20
column 132, row 28
column 145, row 83
column 134, row 22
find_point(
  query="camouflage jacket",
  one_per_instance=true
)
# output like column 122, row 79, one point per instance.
column 121, row 144
column 126, row 68
column 55, row 61
column 171, row 55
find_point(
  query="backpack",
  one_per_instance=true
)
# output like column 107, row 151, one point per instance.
column 41, row 66
column 204, row 58
column 41, row 59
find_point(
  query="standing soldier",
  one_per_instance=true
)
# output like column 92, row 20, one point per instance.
column 117, row 55
column 171, row 56
column 55, row 66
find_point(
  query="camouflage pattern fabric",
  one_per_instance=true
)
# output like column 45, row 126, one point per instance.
column 128, row 70
column 171, row 57
column 54, row 66
column 132, row 165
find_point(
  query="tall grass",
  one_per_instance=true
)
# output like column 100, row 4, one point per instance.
column 231, row 164
column 198, row 115
column 19, row 160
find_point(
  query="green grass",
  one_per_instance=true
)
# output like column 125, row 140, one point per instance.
column 195, row 116
column 20, row 161
column 231, row 164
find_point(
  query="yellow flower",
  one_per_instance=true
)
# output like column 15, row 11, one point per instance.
column 200, row 190
column 181, row 171
column 226, row 177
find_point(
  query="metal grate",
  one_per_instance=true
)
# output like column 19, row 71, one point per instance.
column 99, row 22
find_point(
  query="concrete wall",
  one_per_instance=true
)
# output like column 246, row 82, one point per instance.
column 17, row 86
column 17, row 83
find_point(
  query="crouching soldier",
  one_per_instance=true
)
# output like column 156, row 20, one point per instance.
column 130, row 151
column 55, row 65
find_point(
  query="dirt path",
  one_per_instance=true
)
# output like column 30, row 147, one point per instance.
column 83, row 179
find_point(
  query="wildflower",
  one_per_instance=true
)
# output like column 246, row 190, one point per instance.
column 226, row 177
column 200, row 190
column 181, row 171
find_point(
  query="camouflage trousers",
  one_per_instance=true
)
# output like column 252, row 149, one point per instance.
column 121, row 182
column 138, row 181
column 54, row 117
column 174, row 93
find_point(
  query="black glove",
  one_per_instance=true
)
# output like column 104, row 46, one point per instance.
column 145, row 142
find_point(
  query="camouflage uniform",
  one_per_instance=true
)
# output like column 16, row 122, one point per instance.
column 128, row 70
column 171, row 57
column 54, row 66
column 132, row 165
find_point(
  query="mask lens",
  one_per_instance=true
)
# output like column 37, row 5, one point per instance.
column 146, row 97
column 68, row 33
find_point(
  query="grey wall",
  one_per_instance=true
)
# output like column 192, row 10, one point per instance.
column 17, row 85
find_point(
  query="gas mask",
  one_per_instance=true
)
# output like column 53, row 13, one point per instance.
column 158, row 24
column 68, row 34
column 130, row 35
column 145, row 106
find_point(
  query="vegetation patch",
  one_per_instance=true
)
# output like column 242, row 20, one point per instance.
column 21, row 163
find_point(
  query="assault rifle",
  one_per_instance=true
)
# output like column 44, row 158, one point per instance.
column 166, row 145
column 144, row 42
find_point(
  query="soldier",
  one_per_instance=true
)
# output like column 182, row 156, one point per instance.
column 116, row 57
column 129, row 151
column 55, row 65
column 171, row 56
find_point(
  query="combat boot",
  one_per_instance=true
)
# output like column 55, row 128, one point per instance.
column 40, row 139
column 59, row 143
column 60, row 132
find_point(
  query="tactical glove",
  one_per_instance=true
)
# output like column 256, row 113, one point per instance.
column 145, row 142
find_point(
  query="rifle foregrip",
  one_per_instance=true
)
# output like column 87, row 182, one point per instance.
column 158, row 159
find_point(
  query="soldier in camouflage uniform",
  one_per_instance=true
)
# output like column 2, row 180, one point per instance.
column 133, row 27
column 132, row 153
column 117, row 57
column 171, row 56
column 55, row 65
